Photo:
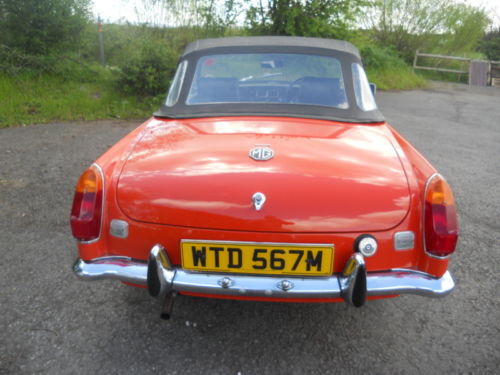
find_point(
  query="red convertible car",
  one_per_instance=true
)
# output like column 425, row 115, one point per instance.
column 267, row 174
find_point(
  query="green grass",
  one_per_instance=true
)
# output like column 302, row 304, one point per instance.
column 388, row 70
column 29, row 99
column 445, row 76
column 397, row 78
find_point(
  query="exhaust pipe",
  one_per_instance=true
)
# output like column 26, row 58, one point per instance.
column 353, row 281
column 168, row 305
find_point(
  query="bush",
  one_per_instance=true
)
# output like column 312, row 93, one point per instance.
column 388, row 70
column 447, row 27
column 14, row 61
column 490, row 45
column 65, row 67
column 376, row 57
column 38, row 27
column 148, row 71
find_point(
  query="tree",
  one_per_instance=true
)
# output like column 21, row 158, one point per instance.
column 430, row 25
column 218, row 17
column 490, row 45
column 465, row 27
column 37, row 27
column 321, row 18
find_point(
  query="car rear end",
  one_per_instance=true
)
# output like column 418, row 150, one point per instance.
column 265, row 255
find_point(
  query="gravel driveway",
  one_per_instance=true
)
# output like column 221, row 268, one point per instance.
column 52, row 323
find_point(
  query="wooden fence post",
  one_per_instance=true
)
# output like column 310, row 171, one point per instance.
column 101, row 41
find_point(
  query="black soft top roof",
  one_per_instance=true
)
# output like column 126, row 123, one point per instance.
column 269, row 41
column 343, row 51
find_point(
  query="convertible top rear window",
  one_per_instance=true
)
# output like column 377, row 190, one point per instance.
column 364, row 96
column 268, row 78
column 175, row 87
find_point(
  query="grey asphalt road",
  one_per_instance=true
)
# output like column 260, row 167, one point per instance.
column 52, row 323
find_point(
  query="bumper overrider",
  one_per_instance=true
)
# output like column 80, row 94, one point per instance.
column 354, row 284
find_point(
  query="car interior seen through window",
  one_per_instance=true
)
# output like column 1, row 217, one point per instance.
column 268, row 78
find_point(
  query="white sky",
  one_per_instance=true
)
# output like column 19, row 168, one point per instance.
column 124, row 10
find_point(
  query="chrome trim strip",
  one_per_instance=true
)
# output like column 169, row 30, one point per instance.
column 118, row 268
column 409, row 282
column 98, row 167
column 251, row 286
column 378, row 283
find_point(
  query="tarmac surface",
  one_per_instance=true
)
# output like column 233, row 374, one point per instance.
column 53, row 323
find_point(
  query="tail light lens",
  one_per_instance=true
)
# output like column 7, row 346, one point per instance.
column 440, row 215
column 86, row 213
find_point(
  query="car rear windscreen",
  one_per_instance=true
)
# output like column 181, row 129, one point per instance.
column 268, row 78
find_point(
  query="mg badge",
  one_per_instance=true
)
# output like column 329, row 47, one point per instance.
column 261, row 153
column 258, row 200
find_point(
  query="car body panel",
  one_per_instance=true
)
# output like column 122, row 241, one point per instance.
column 144, row 235
column 324, row 177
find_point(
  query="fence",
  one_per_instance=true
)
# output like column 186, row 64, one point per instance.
column 480, row 72
column 495, row 73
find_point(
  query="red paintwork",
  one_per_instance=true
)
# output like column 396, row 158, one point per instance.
column 325, row 177
column 296, row 300
column 343, row 171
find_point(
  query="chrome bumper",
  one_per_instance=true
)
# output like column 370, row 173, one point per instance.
column 352, row 285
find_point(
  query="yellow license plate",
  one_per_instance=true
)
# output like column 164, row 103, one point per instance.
column 257, row 258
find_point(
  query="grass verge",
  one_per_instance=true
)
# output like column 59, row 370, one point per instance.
column 398, row 78
column 29, row 99
column 388, row 70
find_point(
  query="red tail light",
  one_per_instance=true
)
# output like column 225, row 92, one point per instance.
column 440, row 216
column 87, row 205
